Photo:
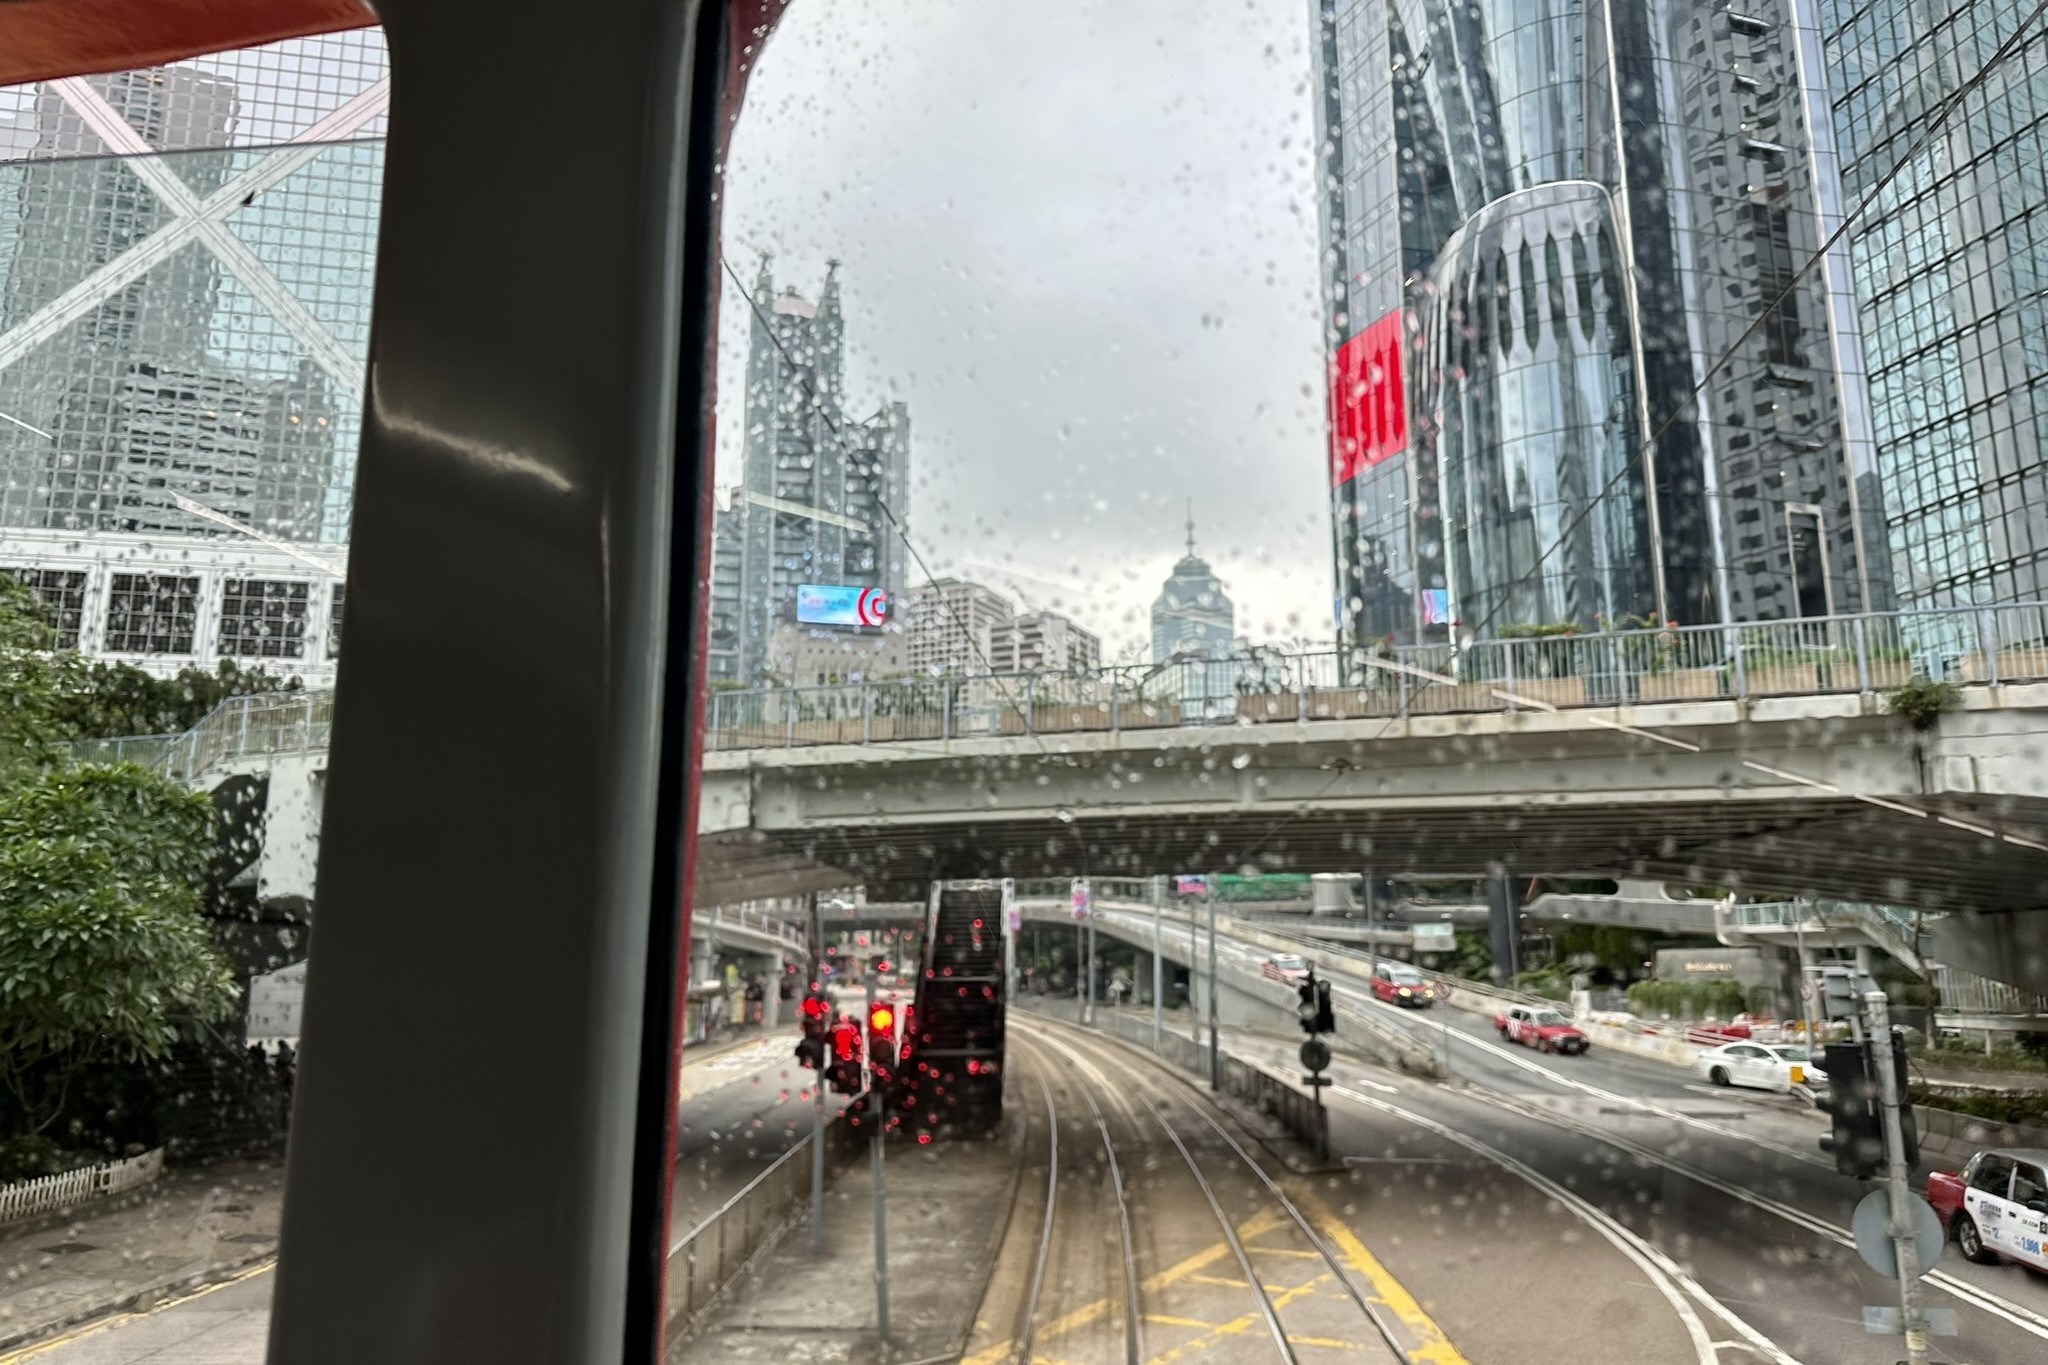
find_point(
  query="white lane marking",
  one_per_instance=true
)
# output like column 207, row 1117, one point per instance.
column 1528, row 1064
column 1658, row 1268
column 2024, row 1319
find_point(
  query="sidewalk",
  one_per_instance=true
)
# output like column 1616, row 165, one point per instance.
column 194, row 1226
column 947, row 1206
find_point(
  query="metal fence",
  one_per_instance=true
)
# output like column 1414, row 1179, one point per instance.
column 711, row 1255
column 1841, row 654
column 1837, row 654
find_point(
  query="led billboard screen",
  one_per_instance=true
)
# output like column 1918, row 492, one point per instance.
column 819, row 604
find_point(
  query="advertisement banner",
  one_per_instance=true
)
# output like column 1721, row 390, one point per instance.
column 1084, row 903
column 1368, row 400
column 821, row 604
column 1013, row 913
column 1190, row 886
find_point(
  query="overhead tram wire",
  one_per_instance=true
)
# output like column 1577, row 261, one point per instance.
column 1689, row 403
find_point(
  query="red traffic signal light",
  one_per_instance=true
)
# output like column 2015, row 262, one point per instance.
column 846, row 1041
column 814, row 1008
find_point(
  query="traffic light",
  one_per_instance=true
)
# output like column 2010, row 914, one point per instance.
column 882, row 1037
column 1907, row 1128
column 845, row 1073
column 1314, row 1011
column 810, row 1048
column 1857, row 1137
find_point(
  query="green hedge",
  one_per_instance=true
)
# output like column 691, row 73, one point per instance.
column 1696, row 999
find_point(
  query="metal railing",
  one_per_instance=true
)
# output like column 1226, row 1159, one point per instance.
column 747, row 917
column 240, row 727
column 1841, row 654
column 1962, row 992
column 704, row 1260
column 1837, row 654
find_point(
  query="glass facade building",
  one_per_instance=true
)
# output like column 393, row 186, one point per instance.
column 823, row 497
column 1578, row 375
column 1951, row 272
column 186, row 262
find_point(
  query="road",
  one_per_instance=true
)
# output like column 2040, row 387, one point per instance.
column 1473, row 1192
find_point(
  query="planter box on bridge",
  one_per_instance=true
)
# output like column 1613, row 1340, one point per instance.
column 1680, row 684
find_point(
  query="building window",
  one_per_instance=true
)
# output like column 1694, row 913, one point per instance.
column 152, row 614
column 334, row 621
column 263, row 619
column 63, row 594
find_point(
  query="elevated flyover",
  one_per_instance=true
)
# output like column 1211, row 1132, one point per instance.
column 1821, row 794
column 1761, row 757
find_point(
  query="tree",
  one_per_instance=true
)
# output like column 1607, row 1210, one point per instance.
column 103, row 954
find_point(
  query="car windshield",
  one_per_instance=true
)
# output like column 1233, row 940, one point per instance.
column 1288, row 963
column 1404, row 976
column 1549, row 1018
column 1788, row 1054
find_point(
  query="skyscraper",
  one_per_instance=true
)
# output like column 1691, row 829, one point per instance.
column 822, row 497
column 1192, row 618
column 1949, row 276
column 117, row 413
column 1519, row 298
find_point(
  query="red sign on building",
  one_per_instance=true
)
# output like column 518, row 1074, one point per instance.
column 1368, row 402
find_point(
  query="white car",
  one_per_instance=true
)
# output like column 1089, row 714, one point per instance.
column 1760, row 1066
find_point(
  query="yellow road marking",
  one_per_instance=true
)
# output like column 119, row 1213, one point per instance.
column 1223, row 1280
column 1430, row 1345
column 94, row 1329
column 1166, row 1321
column 1257, row 1226
column 1333, row 1343
column 1284, row 1251
column 1238, row 1326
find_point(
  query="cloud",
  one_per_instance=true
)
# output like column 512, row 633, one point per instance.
column 1080, row 241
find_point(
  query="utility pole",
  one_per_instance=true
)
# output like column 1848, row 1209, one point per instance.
column 1901, row 1228
column 818, row 1092
column 1090, row 1018
column 1215, row 1046
column 1158, row 896
column 877, row 1120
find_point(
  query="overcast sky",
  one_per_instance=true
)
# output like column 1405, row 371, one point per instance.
column 1079, row 240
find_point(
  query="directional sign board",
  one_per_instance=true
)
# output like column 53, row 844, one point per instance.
column 820, row 604
column 1871, row 1226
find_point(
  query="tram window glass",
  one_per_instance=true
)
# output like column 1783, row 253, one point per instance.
column 186, row 255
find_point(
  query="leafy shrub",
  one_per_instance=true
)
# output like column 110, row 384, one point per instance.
column 1688, row 999
column 1921, row 701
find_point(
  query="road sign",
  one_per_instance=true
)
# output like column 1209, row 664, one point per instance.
column 1315, row 1054
column 1871, row 1223
column 1807, row 990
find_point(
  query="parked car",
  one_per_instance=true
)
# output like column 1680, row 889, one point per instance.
column 1543, row 1029
column 1996, row 1207
column 1397, row 983
column 1759, row 1066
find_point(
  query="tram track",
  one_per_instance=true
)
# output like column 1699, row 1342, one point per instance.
column 1246, row 1207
